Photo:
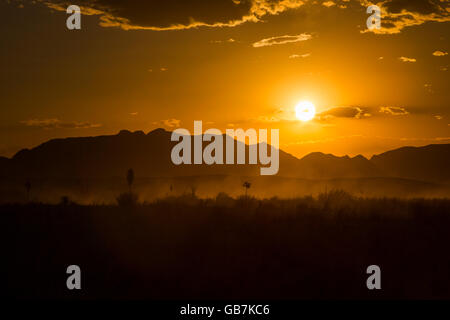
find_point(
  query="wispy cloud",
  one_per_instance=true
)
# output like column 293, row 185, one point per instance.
column 395, row 111
column 279, row 115
column 406, row 59
column 231, row 40
column 328, row 4
column 281, row 40
column 169, row 123
column 440, row 53
column 295, row 56
column 58, row 124
column 428, row 87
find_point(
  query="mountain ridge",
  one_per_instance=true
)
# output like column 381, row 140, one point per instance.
column 149, row 155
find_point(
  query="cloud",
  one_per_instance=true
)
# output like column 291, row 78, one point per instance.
column 186, row 14
column 328, row 4
column 439, row 53
column 162, row 69
column 288, row 114
column 281, row 114
column 177, row 14
column 231, row 40
column 170, row 123
column 428, row 87
column 395, row 111
column 406, row 59
column 58, row 124
column 344, row 112
column 399, row 14
column 281, row 40
column 295, row 56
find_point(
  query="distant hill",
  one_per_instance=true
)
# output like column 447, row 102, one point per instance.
column 149, row 155
column 110, row 156
column 326, row 166
column 429, row 163
column 4, row 161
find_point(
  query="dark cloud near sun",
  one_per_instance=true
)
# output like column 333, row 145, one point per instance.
column 186, row 14
column 344, row 112
column 351, row 112
column 176, row 14
column 415, row 6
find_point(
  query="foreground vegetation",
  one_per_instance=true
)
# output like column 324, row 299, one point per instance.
column 185, row 247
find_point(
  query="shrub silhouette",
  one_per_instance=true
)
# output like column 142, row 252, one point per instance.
column 65, row 201
column 336, row 198
column 127, row 199
column 223, row 199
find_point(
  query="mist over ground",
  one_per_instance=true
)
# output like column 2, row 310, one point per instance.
column 105, row 191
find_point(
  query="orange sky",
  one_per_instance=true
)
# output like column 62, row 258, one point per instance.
column 245, row 64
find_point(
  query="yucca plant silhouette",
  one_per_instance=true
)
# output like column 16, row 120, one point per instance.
column 247, row 186
column 130, row 178
column 128, row 199
column 193, row 191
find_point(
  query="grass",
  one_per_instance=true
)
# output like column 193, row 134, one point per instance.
column 185, row 247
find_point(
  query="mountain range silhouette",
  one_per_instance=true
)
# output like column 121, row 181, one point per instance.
column 149, row 155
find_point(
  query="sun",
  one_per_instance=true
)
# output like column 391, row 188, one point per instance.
column 305, row 111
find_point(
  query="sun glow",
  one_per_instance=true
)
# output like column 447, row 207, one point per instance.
column 305, row 111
